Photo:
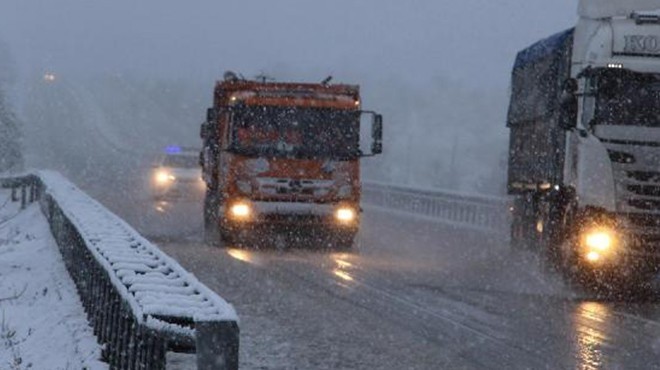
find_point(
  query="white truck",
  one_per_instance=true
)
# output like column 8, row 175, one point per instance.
column 584, row 158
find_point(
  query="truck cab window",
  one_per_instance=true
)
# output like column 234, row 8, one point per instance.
column 627, row 98
column 296, row 132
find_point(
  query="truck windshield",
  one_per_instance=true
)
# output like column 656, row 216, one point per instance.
column 627, row 98
column 296, row 132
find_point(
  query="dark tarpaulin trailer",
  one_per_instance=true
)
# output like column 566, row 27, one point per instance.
column 537, row 142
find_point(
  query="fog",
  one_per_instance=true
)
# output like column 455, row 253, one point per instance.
column 438, row 71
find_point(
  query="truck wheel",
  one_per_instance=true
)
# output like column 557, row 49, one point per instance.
column 227, row 237
column 211, row 236
column 517, row 238
column 523, row 224
column 211, row 232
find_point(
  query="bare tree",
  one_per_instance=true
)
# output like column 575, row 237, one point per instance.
column 11, row 158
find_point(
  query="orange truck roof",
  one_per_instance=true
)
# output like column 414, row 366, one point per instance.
column 338, row 96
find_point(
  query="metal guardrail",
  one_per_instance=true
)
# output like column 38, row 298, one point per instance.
column 26, row 185
column 483, row 212
column 139, row 302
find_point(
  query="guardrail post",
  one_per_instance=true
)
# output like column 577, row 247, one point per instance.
column 113, row 330
column 216, row 343
column 127, row 344
column 156, row 359
column 23, row 196
column 141, row 345
column 101, row 303
column 32, row 186
column 106, row 315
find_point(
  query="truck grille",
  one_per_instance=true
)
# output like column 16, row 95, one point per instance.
column 644, row 176
column 644, row 194
column 643, row 221
column 637, row 180
column 646, row 190
column 643, row 231
column 637, row 190
column 645, row 204
column 302, row 189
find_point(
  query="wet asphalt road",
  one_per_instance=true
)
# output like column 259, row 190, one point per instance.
column 416, row 294
column 413, row 294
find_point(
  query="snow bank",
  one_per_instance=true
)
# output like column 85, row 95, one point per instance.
column 42, row 323
column 166, row 302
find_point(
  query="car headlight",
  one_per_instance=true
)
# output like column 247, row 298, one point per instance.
column 164, row 177
column 345, row 215
column 240, row 211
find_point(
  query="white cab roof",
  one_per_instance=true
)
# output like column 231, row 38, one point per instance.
column 596, row 9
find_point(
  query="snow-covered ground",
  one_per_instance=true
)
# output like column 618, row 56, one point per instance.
column 42, row 322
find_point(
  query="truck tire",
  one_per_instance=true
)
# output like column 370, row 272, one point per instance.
column 226, row 237
column 517, row 232
column 211, row 227
column 523, row 224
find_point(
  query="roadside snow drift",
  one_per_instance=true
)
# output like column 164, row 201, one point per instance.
column 42, row 323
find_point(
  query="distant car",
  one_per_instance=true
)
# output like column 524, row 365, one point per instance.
column 49, row 77
column 177, row 175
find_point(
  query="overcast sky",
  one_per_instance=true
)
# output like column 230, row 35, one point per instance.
column 471, row 41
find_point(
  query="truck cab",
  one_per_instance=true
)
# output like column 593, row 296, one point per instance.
column 285, row 158
column 584, row 162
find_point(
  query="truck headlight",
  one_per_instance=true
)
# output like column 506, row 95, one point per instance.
column 598, row 240
column 345, row 215
column 598, row 244
column 240, row 211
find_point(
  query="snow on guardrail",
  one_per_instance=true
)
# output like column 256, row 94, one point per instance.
column 140, row 302
column 136, row 262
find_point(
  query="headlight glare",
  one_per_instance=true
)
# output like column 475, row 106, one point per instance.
column 593, row 256
column 163, row 177
column 599, row 240
column 345, row 214
column 240, row 211
column 599, row 244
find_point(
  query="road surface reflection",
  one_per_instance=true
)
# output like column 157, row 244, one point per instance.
column 592, row 327
column 240, row 254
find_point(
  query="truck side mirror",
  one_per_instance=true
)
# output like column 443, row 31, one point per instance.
column 371, row 134
column 211, row 115
column 377, row 134
column 203, row 130
column 568, row 105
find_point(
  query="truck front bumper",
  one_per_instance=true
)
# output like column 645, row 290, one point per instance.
column 240, row 215
column 623, row 245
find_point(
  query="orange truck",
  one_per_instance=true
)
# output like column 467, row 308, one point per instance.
column 284, row 159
